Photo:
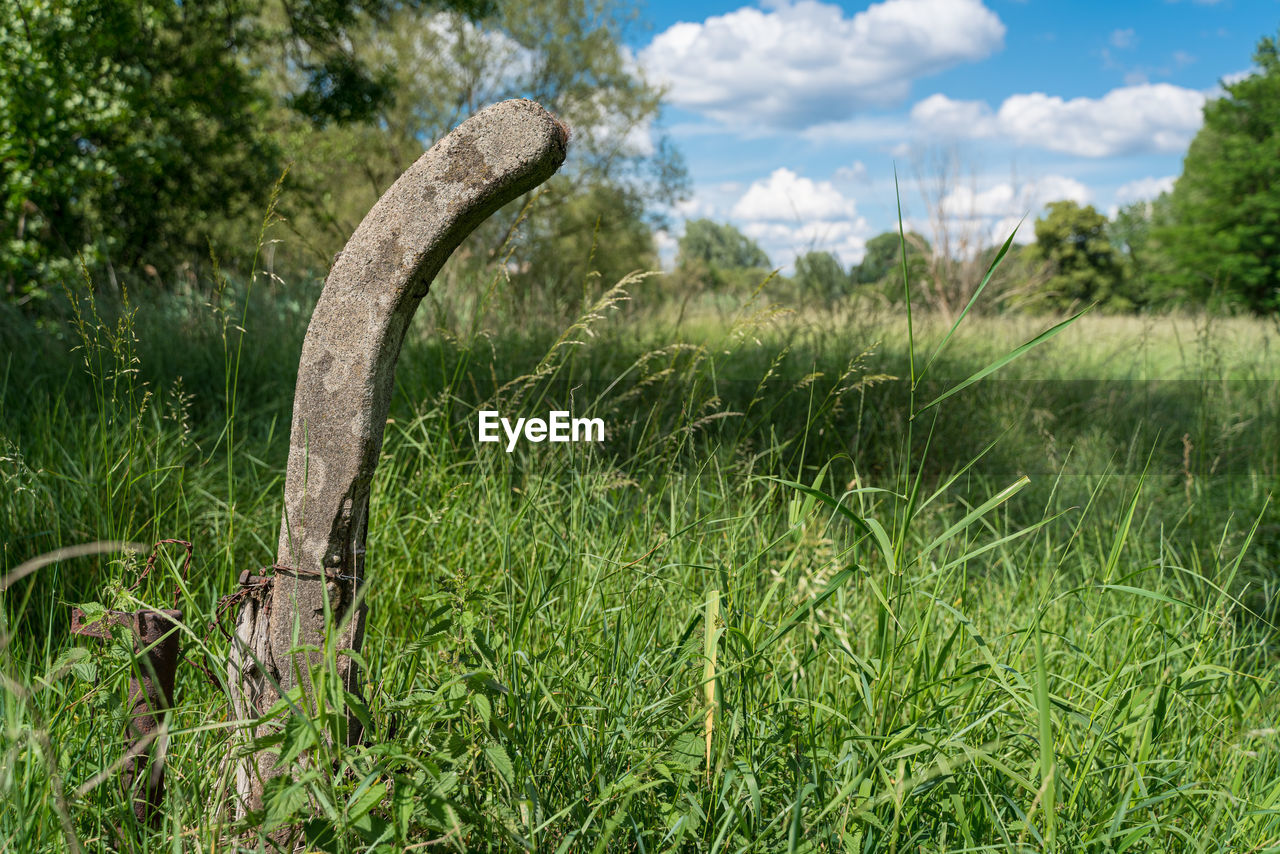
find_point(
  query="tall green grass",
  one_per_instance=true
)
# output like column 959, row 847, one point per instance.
column 786, row 606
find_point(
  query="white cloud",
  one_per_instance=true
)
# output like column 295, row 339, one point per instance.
column 788, row 215
column 983, row 217
column 943, row 116
column 856, row 171
column 631, row 139
column 695, row 207
column 1143, row 189
column 966, row 202
column 709, row 201
column 454, row 43
column 1003, row 227
column 497, row 66
column 786, row 196
column 784, row 242
column 667, row 246
column 802, row 62
column 1237, row 76
column 1054, row 188
column 1003, row 200
column 868, row 130
column 1123, row 38
column 1156, row 117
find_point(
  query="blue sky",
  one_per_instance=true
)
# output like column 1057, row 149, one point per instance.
column 792, row 114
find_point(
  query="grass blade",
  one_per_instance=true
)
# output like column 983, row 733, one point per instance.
column 710, row 646
column 975, row 514
column 1003, row 360
column 995, row 262
column 837, row 581
column 1048, row 764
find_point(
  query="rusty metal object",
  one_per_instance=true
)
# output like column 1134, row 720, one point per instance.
column 155, row 648
column 247, row 579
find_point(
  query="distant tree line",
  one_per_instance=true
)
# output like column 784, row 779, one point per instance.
column 1212, row 242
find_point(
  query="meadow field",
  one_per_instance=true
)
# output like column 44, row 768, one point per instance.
column 816, row 590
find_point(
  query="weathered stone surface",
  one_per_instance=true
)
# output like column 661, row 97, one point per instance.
column 345, row 379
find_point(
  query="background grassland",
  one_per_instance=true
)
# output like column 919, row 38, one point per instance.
column 1037, row 616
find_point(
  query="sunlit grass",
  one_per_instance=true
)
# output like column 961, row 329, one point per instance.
column 1064, row 642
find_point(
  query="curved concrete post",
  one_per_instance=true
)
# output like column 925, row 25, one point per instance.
column 345, row 379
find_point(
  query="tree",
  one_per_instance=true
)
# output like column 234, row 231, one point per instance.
column 1225, row 238
column 718, row 256
column 1134, row 231
column 566, row 54
column 967, row 227
column 333, row 82
column 819, row 274
column 123, row 127
column 129, row 131
column 1083, row 265
column 883, row 258
column 719, row 246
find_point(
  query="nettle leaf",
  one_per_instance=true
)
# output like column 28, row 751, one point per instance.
column 391, row 753
column 283, row 799
column 362, row 802
column 93, row 612
column 446, row 783
column 482, row 706
column 402, row 803
column 498, row 759
column 85, row 668
column 416, row 700
column 291, row 700
column 687, row 751
column 75, row 660
column 457, row 747
column 373, row 829
column 355, row 656
column 299, row 736
column 261, row 742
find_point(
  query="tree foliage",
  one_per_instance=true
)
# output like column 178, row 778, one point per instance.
column 123, row 129
column 1135, row 232
column 566, row 54
column 819, row 275
column 1225, row 239
column 717, row 256
column 1084, row 267
column 883, row 258
column 719, row 246
column 336, row 84
column 130, row 132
